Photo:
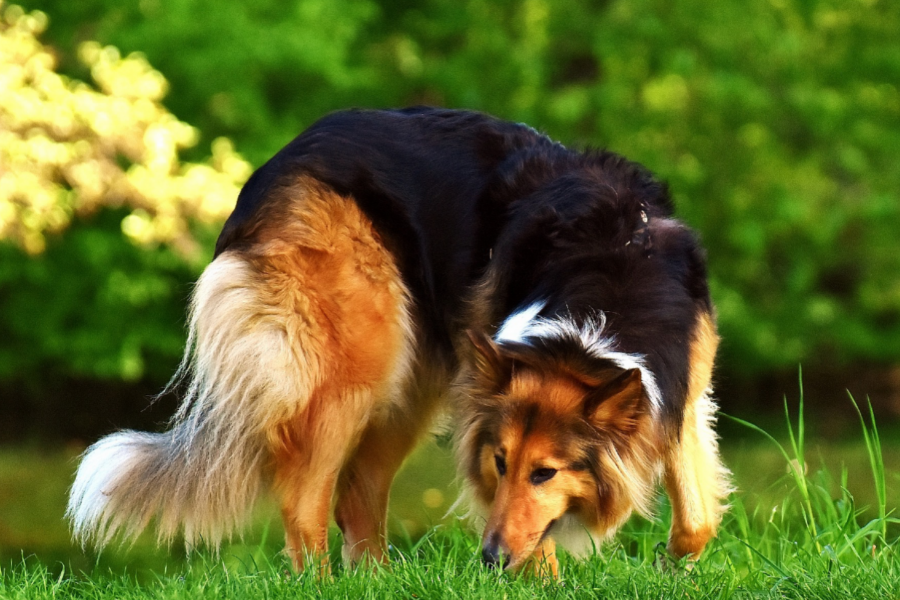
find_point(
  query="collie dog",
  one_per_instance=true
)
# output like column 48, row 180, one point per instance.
column 389, row 266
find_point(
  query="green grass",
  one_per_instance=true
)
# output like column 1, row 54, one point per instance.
column 795, row 530
column 761, row 562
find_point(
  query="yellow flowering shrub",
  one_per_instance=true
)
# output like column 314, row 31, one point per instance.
column 67, row 148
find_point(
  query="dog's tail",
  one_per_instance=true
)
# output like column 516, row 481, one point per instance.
column 201, row 477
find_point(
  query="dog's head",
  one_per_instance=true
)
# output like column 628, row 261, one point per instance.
column 549, row 438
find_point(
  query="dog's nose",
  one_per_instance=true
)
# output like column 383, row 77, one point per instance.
column 490, row 551
column 490, row 554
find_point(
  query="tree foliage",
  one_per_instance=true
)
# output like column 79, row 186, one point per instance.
column 776, row 123
column 64, row 146
column 94, row 304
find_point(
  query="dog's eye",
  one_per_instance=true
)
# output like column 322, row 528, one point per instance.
column 501, row 465
column 539, row 476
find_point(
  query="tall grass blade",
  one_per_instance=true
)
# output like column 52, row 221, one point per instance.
column 795, row 467
column 798, row 465
column 876, row 462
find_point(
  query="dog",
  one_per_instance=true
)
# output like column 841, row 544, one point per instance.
column 388, row 266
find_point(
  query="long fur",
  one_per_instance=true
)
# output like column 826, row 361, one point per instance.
column 202, row 476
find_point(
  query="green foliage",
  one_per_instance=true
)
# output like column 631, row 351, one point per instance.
column 96, row 306
column 93, row 305
column 776, row 123
column 829, row 526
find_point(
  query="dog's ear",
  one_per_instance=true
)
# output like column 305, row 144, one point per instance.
column 490, row 363
column 615, row 405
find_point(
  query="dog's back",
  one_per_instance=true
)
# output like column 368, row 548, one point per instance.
column 422, row 176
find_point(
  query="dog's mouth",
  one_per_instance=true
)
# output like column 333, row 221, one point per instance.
column 516, row 565
column 547, row 529
column 494, row 557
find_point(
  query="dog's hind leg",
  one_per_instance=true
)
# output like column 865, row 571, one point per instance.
column 365, row 483
column 310, row 453
column 696, row 480
column 343, row 304
column 299, row 334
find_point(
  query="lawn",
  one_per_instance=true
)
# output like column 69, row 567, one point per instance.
column 810, row 520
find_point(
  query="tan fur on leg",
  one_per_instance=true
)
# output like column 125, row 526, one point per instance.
column 696, row 480
column 361, row 510
column 365, row 482
column 307, row 461
column 544, row 562
column 340, row 299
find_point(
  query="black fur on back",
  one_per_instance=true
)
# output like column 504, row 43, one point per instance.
column 453, row 193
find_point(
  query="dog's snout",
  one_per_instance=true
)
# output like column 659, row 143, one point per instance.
column 490, row 551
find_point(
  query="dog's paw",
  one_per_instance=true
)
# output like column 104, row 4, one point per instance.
column 669, row 563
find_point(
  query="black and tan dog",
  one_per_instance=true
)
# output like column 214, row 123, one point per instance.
column 388, row 265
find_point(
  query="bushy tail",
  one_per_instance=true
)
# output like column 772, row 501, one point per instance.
column 201, row 477
column 130, row 477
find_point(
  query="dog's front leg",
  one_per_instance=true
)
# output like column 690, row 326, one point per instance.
column 697, row 482
column 543, row 562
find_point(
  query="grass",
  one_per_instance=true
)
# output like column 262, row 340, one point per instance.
column 802, row 535
column 441, row 565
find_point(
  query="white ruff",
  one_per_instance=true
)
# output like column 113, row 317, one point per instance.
column 518, row 325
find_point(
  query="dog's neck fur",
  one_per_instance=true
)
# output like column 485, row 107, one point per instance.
column 526, row 324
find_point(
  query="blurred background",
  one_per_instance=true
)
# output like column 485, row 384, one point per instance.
column 127, row 128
